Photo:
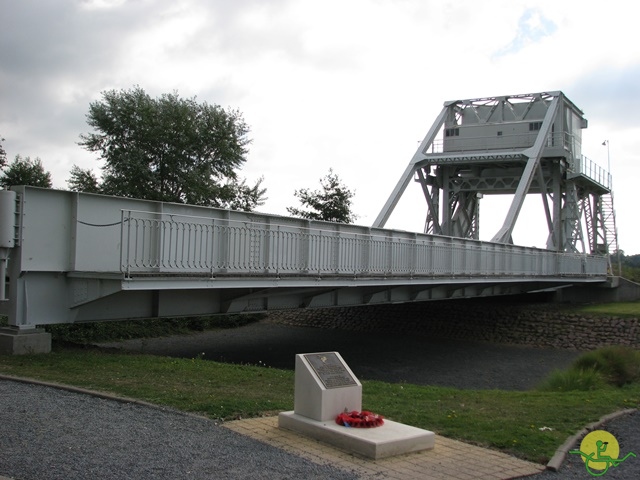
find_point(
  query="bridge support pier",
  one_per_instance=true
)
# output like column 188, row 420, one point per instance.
column 16, row 341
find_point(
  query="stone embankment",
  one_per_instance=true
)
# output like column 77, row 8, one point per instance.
column 539, row 325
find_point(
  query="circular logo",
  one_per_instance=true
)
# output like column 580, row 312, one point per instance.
column 599, row 448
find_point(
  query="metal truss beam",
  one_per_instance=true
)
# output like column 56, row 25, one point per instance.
column 534, row 153
column 407, row 176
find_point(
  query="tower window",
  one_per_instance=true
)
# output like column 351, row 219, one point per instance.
column 535, row 126
column 451, row 132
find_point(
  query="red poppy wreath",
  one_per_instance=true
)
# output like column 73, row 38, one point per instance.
column 363, row 419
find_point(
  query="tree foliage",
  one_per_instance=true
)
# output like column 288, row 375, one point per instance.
column 83, row 181
column 25, row 171
column 169, row 149
column 630, row 265
column 331, row 203
column 631, row 260
column 3, row 154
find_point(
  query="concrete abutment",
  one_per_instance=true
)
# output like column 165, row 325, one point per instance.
column 15, row 341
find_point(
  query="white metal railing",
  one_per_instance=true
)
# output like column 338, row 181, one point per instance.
column 595, row 172
column 178, row 244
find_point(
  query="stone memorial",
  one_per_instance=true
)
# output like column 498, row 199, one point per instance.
column 326, row 387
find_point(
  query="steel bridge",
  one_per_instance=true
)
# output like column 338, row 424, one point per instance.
column 69, row 257
column 74, row 257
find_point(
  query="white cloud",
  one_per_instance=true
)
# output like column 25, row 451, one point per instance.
column 101, row 4
column 533, row 26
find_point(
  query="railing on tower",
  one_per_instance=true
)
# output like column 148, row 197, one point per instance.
column 595, row 172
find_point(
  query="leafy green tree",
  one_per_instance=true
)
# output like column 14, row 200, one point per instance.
column 3, row 154
column 244, row 197
column 632, row 260
column 83, row 181
column 170, row 149
column 24, row 171
column 630, row 265
column 331, row 203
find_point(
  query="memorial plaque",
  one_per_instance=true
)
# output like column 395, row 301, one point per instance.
column 330, row 370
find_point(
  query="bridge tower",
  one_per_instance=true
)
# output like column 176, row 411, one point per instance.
column 512, row 145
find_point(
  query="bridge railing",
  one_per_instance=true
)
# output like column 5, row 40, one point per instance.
column 156, row 243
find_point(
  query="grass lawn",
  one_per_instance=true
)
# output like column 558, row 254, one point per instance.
column 508, row 421
column 621, row 309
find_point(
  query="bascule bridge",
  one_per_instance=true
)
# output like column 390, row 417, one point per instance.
column 68, row 257
column 517, row 145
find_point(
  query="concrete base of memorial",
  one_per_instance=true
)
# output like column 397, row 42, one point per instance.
column 387, row 440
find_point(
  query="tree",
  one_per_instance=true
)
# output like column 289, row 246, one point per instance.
column 332, row 203
column 83, row 181
column 3, row 154
column 170, row 149
column 245, row 197
column 24, row 171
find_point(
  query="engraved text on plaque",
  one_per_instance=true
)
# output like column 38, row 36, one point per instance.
column 330, row 370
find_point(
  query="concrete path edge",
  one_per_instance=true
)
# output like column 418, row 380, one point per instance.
column 561, row 453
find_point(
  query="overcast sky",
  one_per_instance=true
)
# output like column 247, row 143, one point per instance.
column 352, row 85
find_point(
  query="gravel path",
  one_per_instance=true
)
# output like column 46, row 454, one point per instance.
column 51, row 434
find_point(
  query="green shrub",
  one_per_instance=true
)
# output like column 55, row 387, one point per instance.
column 573, row 380
column 617, row 364
column 153, row 327
column 609, row 366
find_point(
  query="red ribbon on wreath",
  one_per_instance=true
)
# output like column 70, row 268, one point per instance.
column 363, row 419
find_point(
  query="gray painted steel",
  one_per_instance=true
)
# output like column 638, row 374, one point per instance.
column 512, row 145
column 83, row 257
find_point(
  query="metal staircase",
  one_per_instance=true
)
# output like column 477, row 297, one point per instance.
column 608, row 220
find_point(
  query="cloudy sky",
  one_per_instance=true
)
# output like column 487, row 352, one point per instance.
column 352, row 85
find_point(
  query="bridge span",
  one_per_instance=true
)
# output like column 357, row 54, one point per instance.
column 70, row 257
